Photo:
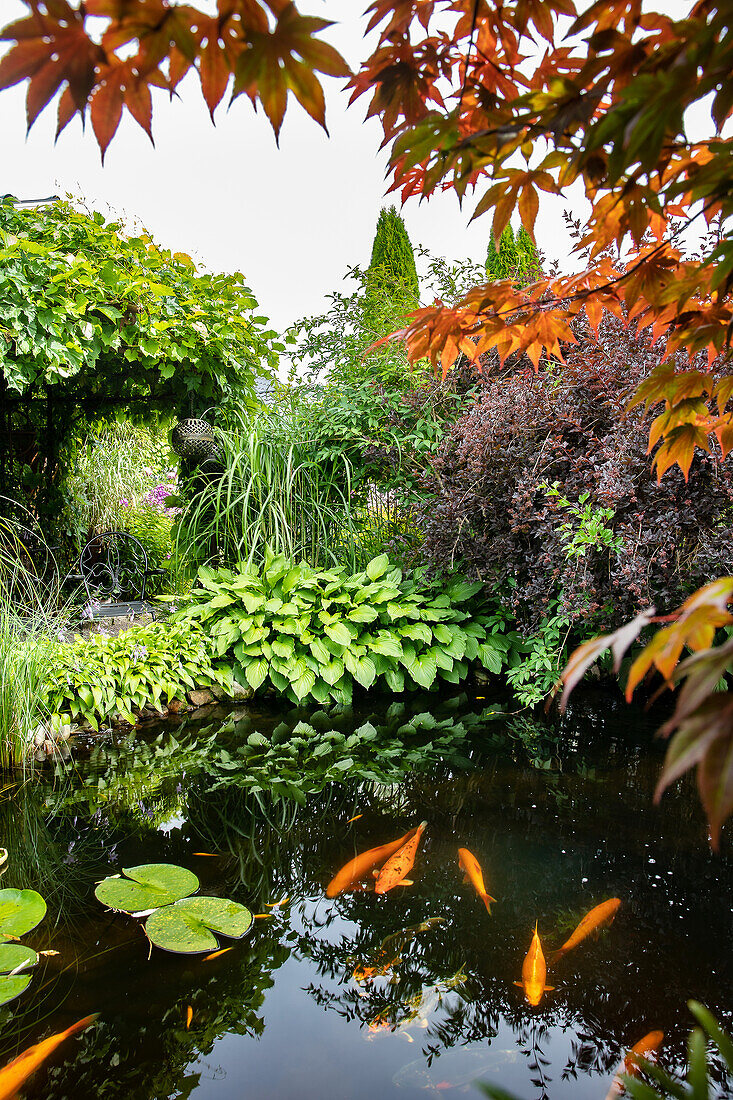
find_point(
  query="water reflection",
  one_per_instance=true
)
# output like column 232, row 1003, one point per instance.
column 407, row 993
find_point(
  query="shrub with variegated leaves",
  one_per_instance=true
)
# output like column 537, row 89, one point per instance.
column 312, row 634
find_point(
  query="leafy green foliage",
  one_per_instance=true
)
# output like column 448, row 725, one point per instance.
column 154, row 530
column 392, row 266
column 101, row 676
column 314, row 634
column 81, row 299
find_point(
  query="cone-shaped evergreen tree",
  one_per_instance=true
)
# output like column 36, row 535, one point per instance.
column 392, row 267
column 515, row 258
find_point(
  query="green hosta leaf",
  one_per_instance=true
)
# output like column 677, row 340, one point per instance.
column 304, row 683
column 395, row 678
column 419, row 632
column 252, row 601
column 256, row 673
column 333, row 671
column 283, row 647
column 387, row 645
column 363, row 614
column 462, row 590
column 319, row 651
column 423, row 670
column 361, row 668
column 16, row 956
column 279, row 681
column 20, row 912
column 188, row 926
column 10, row 988
column 377, row 567
column 490, row 658
column 402, row 611
column 147, row 886
column 471, row 650
column 291, row 579
column 321, row 691
column 443, row 634
column 339, row 633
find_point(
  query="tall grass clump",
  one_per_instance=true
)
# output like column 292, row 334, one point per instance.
column 31, row 619
column 267, row 487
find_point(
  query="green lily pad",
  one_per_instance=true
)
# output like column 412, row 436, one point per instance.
column 10, row 988
column 146, row 887
column 15, row 955
column 20, row 911
column 188, row 927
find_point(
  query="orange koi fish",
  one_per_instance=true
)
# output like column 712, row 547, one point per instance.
column 470, row 865
column 598, row 917
column 534, row 972
column 643, row 1049
column 400, row 864
column 189, row 1016
column 354, row 818
column 17, row 1072
column 216, row 954
column 362, row 864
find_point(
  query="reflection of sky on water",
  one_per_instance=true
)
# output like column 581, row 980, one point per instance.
column 559, row 821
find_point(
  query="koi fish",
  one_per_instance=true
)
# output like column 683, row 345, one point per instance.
column 362, row 864
column 534, row 972
column 646, row 1046
column 216, row 954
column 599, row 916
column 354, row 818
column 400, row 864
column 189, row 1016
column 277, row 904
column 17, row 1072
column 470, row 865
column 363, row 975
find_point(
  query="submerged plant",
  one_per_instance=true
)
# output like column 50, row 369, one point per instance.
column 178, row 923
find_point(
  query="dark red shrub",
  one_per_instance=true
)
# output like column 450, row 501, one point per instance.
column 490, row 514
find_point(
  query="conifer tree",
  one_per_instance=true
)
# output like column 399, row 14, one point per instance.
column 392, row 267
column 515, row 258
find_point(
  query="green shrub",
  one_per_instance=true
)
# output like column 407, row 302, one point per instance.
column 153, row 528
column 98, row 677
column 312, row 634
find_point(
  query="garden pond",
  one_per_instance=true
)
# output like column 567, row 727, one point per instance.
column 399, row 996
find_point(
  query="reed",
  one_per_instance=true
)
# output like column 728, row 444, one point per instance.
column 32, row 616
column 269, row 489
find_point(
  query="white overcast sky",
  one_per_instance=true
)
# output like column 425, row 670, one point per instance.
column 292, row 219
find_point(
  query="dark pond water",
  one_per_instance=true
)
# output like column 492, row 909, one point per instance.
column 560, row 817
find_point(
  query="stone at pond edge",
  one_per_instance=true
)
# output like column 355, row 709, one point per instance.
column 239, row 693
column 147, row 886
column 20, row 912
column 200, row 697
column 188, row 926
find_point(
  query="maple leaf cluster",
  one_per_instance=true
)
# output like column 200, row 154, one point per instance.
column 265, row 47
column 505, row 101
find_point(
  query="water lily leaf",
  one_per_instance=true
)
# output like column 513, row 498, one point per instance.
column 20, row 911
column 10, row 988
column 146, row 887
column 188, row 927
column 16, row 956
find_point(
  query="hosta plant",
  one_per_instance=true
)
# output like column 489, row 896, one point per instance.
column 100, row 676
column 313, row 634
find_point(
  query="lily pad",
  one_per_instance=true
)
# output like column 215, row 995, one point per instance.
column 188, row 927
column 20, row 911
column 14, row 956
column 12, row 987
column 146, row 887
